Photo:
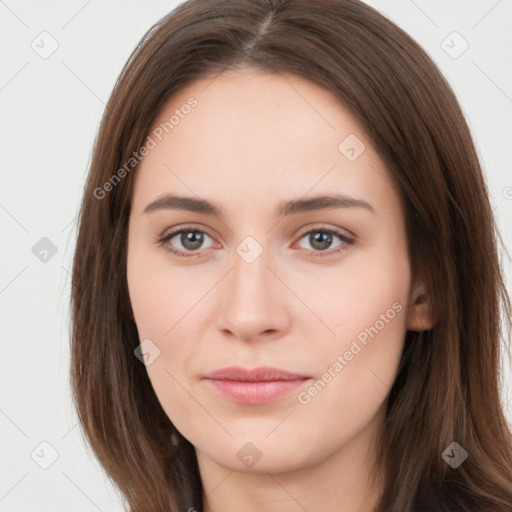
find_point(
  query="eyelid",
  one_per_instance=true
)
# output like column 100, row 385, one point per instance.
column 186, row 227
column 324, row 227
column 307, row 229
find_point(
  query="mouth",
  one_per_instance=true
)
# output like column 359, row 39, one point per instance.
column 256, row 386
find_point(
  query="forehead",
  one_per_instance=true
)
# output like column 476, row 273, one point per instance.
column 263, row 110
column 251, row 132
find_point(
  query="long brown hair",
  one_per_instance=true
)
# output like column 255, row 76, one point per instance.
column 448, row 384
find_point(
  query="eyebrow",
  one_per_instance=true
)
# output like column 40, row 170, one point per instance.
column 295, row 206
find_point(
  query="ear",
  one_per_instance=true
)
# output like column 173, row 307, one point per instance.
column 421, row 316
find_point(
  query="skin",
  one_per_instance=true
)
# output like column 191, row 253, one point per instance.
column 254, row 140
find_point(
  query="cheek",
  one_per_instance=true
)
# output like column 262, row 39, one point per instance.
column 160, row 300
column 160, row 295
column 369, row 319
column 357, row 367
column 169, row 309
column 373, row 296
column 365, row 298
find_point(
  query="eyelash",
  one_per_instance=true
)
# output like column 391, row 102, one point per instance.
column 317, row 254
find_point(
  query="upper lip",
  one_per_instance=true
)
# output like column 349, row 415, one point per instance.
column 262, row 373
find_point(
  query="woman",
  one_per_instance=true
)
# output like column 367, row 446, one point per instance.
column 286, row 286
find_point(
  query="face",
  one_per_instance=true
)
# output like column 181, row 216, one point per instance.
column 274, row 277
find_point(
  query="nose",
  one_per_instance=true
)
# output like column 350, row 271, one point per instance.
column 253, row 301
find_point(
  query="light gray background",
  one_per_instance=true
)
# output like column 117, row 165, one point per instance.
column 50, row 110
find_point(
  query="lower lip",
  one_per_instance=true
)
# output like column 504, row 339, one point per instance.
column 255, row 392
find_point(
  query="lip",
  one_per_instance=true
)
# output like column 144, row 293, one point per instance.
column 262, row 373
column 259, row 385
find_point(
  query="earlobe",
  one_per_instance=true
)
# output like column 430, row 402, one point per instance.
column 421, row 316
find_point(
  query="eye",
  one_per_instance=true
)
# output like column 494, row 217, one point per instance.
column 190, row 240
column 321, row 239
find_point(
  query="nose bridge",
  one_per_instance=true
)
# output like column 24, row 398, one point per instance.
column 253, row 302
column 250, row 276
